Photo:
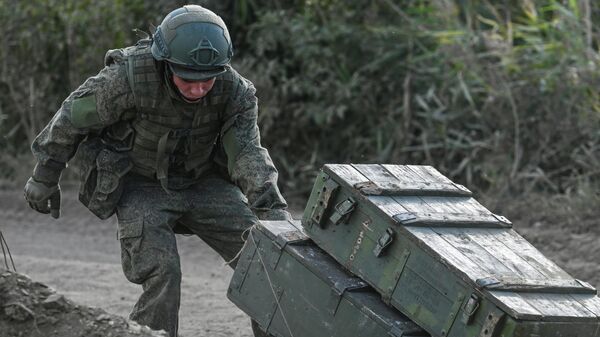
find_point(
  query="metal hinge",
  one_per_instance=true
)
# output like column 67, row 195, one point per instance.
column 384, row 241
column 322, row 201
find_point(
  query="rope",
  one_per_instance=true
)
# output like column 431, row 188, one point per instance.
column 3, row 243
column 271, row 285
column 247, row 230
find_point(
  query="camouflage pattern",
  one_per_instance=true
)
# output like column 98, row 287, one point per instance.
column 217, row 206
column 214, row 209
column 248, row 163
column 58, row 141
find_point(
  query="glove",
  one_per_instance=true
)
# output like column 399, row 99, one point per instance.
column 43, row 198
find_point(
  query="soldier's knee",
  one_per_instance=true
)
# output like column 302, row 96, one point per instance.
column 170, row 271
column 162, row 273
column 140, row 267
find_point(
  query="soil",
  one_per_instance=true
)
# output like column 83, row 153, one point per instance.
column 79, row 256
column 33, row 309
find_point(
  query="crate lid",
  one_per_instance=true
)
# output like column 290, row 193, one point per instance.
column 481, row 247
column 415, row 195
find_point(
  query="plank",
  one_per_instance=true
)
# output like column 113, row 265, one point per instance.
column 475, row 205
column 444, row 212
column 592, row 303
column 404, row 173
column 378, row 175
column 462, row 205
column 474, row 251
column 557, row 305
column 388, row 205
column 534, row 257
column 518, row 306
column 548, row 286
column 436, row 219
column 421, row 180
column 432, row 172
column 346, row 172
column 440, row 204
column 448, row 253
column 414, row 204
column 488, row 239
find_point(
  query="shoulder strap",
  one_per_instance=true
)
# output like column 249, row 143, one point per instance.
column 143, row 76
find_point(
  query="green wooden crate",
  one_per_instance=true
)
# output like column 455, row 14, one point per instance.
column 441, row 258
column 315, row 296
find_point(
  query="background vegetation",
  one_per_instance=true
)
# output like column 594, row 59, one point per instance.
column 502, row 96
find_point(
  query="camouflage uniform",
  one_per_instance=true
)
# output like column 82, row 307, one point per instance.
column 198, row 197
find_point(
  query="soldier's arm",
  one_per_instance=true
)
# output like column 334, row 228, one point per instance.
column 100, row 101
column 248, row 163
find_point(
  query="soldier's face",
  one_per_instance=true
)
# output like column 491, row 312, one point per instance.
column 193, row 91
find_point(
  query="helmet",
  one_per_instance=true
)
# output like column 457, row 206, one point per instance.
column 195, row 43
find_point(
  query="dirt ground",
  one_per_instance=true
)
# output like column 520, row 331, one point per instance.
column 30, row 308
column 79, row 256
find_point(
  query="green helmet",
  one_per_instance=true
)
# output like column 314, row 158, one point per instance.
column 195, row 43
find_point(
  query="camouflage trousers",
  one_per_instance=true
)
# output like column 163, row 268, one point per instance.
column 214, row 209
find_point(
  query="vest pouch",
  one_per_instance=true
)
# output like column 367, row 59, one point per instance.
column 119, row 136
column 103, row 185
column 86, row 158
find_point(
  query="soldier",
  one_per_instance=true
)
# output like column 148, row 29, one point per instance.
column 168, row 139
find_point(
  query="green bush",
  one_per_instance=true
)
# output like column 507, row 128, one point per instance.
column 502, row 100
column 49, row 47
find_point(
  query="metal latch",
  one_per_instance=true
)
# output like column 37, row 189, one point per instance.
column 342, row 210
column 470, row 308
column 384, row 241
column 322, row 201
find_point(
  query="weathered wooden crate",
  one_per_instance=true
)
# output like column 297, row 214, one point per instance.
column 293, row 289
column 441, row 258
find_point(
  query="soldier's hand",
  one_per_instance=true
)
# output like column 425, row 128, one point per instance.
column 43, row 198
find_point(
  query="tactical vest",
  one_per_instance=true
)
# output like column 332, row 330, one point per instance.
column 174, row 139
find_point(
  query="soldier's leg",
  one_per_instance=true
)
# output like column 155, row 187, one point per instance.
column 219, row 214
column 149, row 254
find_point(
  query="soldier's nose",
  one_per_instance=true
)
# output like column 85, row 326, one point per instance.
column 198, row 90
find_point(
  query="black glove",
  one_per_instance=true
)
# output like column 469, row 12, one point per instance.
column 42, row 191
column 43, row 198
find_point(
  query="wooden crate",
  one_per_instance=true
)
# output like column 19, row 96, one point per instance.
column 293, row 289
column 441, row 258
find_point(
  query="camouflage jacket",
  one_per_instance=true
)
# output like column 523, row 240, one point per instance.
column 113, row 100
